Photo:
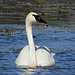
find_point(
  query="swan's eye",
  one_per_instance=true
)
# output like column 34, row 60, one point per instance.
column 39, row 19
column 37, row 16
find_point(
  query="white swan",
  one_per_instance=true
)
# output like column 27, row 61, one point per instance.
column 32, row 55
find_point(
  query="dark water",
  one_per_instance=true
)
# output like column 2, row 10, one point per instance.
column 59, row 37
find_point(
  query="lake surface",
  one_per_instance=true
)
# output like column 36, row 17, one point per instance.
column 59, row 36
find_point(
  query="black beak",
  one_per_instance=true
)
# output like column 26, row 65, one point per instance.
column 39, row 19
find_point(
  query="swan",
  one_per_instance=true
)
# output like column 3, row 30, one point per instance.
column 31, row 55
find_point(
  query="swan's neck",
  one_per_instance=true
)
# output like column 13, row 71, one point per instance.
column 32, row 58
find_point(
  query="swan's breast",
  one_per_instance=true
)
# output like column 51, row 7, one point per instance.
column 23, row 58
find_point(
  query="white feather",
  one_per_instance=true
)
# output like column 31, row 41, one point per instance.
column 31, row 55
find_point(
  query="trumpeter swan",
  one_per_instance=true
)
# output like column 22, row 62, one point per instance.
column 32, row 55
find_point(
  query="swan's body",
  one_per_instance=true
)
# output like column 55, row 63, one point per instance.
column 32, row 55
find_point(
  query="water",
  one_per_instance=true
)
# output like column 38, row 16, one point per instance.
column 59, row 37
column 59, row 40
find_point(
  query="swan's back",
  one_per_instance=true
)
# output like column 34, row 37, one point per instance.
column 44, row 57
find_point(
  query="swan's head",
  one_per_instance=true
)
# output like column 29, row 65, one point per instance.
column 34, row 17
